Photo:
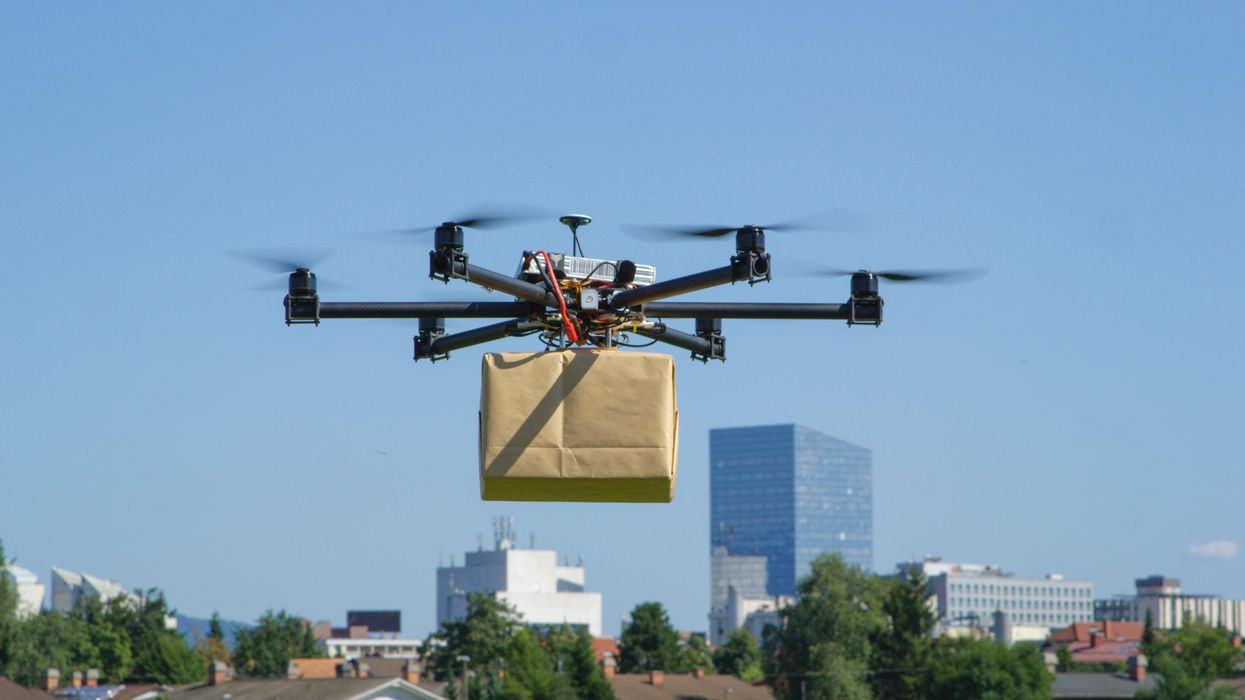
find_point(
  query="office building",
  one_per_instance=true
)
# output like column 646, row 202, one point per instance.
column 529, row 580
column 29, row 590
column 1170, row 608
column 789, row 494
column 986, row 596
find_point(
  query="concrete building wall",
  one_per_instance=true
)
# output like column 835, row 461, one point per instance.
column 29, row 591
column 530, row 580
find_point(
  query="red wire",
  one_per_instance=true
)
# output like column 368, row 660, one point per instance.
column 553, row 280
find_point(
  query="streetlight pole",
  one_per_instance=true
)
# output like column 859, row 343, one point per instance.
column 464, row 659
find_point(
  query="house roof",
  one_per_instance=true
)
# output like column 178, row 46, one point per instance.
column 318, row 689
column 1109, row 629
column 1104, row 653
column 1099, row 685
column 636, row 686
column 378, row 667
column 13, row 691
column 310, row 669
column 602, row 645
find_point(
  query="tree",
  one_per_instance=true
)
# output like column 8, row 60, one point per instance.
column 531, row 673
column 8, row 611
column 649, row 643
column 49, row 640
column 902, row 648
column 266, row 650
column 739, row 656
column 1190, row 658
column 160, row 654
column 483, row 635
column 693, row 655
column 824, row 645
column 108, row 628
column 985, row 670
column 213, row 647
column 572, row 649
column 215, row 629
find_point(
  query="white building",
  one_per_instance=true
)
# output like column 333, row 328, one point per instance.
column 68, row 587
column 737, row 595
column 390, row 648
column 1169, row 608
column 969, row 595
column 529, row 580
column 29, row 591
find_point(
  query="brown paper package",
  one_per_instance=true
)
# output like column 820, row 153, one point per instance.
column 578, row 425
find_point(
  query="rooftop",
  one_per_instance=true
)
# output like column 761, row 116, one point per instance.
column 1099, row 685
column 636, row 686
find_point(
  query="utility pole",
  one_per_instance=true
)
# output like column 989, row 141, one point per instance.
column 466, row 694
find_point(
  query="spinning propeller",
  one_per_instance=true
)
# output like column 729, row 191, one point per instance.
column 830, row 221
column 956, row 276
column 485, row 218
column 295, row 262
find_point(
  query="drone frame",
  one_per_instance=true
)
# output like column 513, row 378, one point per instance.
column 625, row 308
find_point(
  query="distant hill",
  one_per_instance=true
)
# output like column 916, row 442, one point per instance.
column 196, row 628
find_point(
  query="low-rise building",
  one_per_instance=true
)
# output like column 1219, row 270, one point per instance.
column 1169, row 607
column 356, row 640
column 737, row 595
column 1100, row 642
column 544, row 593
column 970, row 595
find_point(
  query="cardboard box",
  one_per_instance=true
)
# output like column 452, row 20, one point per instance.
column 578, row 425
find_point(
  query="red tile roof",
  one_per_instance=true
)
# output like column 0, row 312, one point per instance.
column 1109, row 630
column 601, row 645
column 1105, row 653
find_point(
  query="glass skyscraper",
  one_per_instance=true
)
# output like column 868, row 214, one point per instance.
column 790, row 493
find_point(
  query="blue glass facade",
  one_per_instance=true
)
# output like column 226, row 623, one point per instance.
column 790, row 493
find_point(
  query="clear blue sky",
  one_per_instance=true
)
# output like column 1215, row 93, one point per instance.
column 1078, row 410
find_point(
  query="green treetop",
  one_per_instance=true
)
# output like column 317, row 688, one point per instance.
column 740, row 656
column 649, row 643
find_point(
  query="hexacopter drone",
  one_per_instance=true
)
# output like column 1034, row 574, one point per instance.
column 572, row 300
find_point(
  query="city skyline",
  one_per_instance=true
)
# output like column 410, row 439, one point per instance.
column 161, row 426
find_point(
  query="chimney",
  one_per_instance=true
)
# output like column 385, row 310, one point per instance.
column 51, row 680
column 291, row 671
column 608, row 666
column 657, row 678
column 219, row 672
column 1137, row 667
column 699, row 672
column 1051, row 661
column 410, row 672
column 92, row 677
column 76, row 679
column 1236, row 641
column 1106, row 630
column 1094, row 637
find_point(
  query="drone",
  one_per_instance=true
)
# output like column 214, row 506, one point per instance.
column 570, row 300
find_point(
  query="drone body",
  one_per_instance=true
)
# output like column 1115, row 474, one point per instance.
column 572, row 300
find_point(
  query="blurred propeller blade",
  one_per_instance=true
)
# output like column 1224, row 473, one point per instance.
column 957, row 276
column 829, row 221
column 488, row 217
column 283, row 259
